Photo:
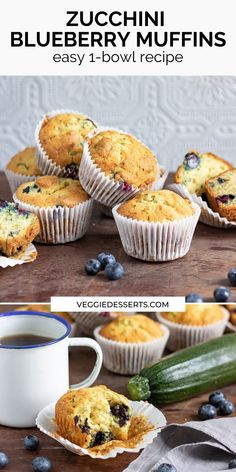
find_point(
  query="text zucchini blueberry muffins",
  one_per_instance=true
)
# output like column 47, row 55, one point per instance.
column 62, row 205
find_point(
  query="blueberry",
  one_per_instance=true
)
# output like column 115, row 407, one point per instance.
column 193, row 298
column 216, row 398
column 226, row 408
column 191, row 160
column 114, row 271
column 232, row 464
column 166, row 468
column 207, row 411
column 41, row 464
column 222, row 294
column 106, row 258
column 92, row 267
column 3, row 460
column 232, row 276
column 31, row 443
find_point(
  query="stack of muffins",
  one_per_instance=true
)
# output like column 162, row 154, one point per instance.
column 75, row 163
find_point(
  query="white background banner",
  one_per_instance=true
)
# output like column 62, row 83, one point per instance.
column 185, row 21
column 126, row 304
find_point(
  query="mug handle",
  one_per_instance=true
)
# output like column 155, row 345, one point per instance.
column 98, row 364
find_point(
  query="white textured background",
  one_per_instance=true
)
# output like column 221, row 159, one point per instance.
column 170, row 114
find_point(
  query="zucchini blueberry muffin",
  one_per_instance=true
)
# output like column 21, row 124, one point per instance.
column 62, row 205
column 156, row 225
column 221, row 194
column 199, row 323
column 93, row 416
column 115, row 165
column 61, row 138
column 197, row 169
column 129, row 343
column 18, row 228
column 22, row 167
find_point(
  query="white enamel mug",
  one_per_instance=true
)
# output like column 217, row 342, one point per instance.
column 34, row 376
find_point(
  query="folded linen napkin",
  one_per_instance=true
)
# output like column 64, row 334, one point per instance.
column 196, row 446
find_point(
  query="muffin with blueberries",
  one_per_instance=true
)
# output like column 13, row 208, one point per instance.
column 156, row 225
column 198, row 323
column 61, row 204
column 22, row 167
column 221, row 194
column 115, row 166
column 129, row 343
column 197, row 168
column 93, row 416
column 60, row 140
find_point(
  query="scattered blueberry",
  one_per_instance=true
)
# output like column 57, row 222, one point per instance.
column 31, row 442
column 226, row 408
column 114, row 271
column 232, row 276
column 207, row 411
column 106, row 258
column 41, row 464
column 216, row 398
column 92, row 267
column 232, row 464
column 222, row 294
column 3, row 460
column 166, row 468
column 191, row 160
column 193, row 298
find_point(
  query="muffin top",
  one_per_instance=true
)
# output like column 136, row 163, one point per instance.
column 197, row 315
column 62, row 137
column 50, row 191
column 123, row 158
column 197, row 168
column 24, row 162
column 156, row 206
column 223, row 188
column 132, row 329
column 46, row 309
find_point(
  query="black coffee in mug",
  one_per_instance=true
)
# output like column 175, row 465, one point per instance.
column 24, row 340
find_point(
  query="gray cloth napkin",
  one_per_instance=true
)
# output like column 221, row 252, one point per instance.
column 197, row 446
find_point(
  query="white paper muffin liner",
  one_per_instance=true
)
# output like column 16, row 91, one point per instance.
column 230, row 327
column 29, row 255
column 208, row 216
column 182, row 336
column 45, row 164
column 130, row 358
column 60, row 225
column 15, row 180
column 98, row 185
column 88, row 321
column 46, row 423
column 154, row 241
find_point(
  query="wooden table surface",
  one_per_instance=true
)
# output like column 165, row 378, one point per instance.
column 59, row 270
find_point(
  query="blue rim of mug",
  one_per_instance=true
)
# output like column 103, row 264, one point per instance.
column 37, row 313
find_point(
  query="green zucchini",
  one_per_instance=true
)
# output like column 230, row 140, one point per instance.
column 187, row 373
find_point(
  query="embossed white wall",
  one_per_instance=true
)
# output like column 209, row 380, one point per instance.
column 170, row 114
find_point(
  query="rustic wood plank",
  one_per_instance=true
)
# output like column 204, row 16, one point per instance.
column 59, row 270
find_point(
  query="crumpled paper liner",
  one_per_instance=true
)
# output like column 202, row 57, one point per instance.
column 208, row 216
column 15, row 180
column 98, row 185
column 46, row 423
column 45, row 164
column 130, row 358
column 29, row 255
column 60, row 225
column 156, row 242
column 182, row 336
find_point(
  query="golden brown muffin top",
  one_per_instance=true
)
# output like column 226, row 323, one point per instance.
column 62, row 137
column 132, row 329
column 46, row 309
column 156, row 206
column 123, row 158
column 24, row 162
column 197, row 315
column 50, row 191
